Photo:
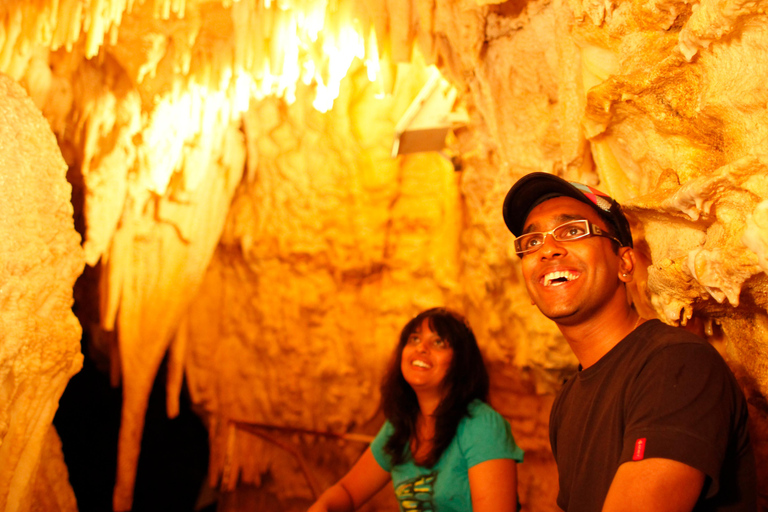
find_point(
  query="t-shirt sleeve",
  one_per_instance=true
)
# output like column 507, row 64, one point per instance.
column 377, row 446
column 681, row 408
column 486, row 435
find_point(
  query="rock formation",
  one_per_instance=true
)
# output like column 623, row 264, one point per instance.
column 39, row 335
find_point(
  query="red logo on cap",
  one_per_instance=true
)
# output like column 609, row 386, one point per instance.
column 639, row 449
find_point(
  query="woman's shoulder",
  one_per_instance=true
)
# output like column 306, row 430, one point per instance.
column 478, row 408
column 378, row 444
column 485, row 434
column 480, row 413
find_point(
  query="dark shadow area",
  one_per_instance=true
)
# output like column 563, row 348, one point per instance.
column 88, row 420
column 174, row 452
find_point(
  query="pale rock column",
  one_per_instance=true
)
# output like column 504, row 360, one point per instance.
column 40, row 259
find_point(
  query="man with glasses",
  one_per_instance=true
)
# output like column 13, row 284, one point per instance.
column 654, row 420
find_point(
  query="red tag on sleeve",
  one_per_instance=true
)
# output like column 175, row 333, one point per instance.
column 639, row 449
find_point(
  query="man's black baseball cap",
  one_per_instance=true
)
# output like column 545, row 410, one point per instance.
column 535, row 188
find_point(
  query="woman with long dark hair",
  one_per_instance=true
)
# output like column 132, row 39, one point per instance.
column 442, row 446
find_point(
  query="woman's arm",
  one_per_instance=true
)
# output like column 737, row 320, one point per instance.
column 493, row 485
column 365, row 479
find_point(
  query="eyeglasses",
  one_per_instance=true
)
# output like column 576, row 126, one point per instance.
column 568, row 232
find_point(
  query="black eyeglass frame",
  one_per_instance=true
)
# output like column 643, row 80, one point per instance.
column 592, row 229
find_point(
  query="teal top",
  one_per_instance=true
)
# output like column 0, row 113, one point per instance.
column 482, row 435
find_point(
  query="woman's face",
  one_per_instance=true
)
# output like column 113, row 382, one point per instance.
column 426, row 359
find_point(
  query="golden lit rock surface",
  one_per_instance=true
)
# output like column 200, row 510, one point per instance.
column 52, row 492
column 323, row 251
column 39, row 335
column 275, row 249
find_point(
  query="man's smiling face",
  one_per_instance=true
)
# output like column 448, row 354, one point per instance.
column 569, row 281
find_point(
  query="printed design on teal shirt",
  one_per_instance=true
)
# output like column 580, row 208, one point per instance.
column 415, row 495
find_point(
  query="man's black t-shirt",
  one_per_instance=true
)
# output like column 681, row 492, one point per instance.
column 661, row 392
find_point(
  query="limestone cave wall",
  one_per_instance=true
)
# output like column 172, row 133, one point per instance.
column 243, row 220
column 39, row 335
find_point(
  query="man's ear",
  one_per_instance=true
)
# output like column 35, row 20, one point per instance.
column 626, row 263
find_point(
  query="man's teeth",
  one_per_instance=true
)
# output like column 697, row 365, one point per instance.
column 560, row 277
column 421, row 364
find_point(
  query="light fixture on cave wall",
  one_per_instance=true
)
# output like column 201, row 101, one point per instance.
column 430, row 119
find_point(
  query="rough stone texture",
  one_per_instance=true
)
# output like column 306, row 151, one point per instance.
column 323, row 259
column 39, row 335
column 327, row 246
column 52, row 492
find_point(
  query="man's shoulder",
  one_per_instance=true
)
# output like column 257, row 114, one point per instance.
column 653, row 343
column 655, row 336
column 669, row 334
